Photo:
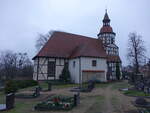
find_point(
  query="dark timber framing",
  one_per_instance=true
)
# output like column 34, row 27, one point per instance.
column 41, row 67
column 80, row 82
column 37, row 69
column 55, row 70
column 43, row 63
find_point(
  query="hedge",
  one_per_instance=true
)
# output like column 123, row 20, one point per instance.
column 14, row 85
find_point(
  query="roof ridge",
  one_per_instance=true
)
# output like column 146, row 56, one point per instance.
column 75, row 34
column 63, row 44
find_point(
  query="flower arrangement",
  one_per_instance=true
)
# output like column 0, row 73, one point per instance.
column 56, row 103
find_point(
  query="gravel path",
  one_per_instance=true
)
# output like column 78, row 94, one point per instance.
column 116, row 102
column 108, row 94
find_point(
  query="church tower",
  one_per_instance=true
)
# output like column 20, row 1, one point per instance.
column 106, row 32
column 107, row 36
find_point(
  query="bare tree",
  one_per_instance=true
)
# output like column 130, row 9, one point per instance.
column 14, row 65
column 136, row 50
column 24, row 65
column 8, row 64
column 42, row 39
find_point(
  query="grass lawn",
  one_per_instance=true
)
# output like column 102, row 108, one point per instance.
column 22, row 107
column 135, row 93
column 102, row 85
column 119, row 85
column 2, row 98
column 44, row 85
column 60, row 86
column 97, row 106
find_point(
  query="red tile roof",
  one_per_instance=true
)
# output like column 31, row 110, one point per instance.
column 69, row 45
column 106, row 29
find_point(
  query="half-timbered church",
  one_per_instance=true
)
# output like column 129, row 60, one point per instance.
column 87, row 58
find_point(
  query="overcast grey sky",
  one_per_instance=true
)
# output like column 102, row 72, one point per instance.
column 22, row 20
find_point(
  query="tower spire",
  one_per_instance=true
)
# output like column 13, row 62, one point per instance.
column 106, row 17
column 106, row 28
column 106, row 10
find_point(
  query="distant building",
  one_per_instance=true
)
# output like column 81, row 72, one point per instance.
column 145, row 69
column 87, row 58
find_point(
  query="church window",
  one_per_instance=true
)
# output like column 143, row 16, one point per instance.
column 51, row 68
column 112, row 41
column 74, row 63
column 94, row 63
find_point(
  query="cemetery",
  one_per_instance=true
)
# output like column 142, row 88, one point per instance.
column 60, row 99
column 140, row 87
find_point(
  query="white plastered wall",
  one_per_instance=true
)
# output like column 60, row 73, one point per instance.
column 86, row 64
column 74, row 70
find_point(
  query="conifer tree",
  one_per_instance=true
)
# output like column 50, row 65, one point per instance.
column 118, row 74
column 65, row 76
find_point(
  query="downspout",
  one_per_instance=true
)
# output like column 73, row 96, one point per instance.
column 80, row 81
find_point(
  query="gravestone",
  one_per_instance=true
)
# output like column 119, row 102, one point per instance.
column 76, row 99
column 37, row 92
column 146, row 89
column 131, row 78
column 40, row 88
column 141, row 102
column 91, row 85
column 140, row 86
column 10, row 100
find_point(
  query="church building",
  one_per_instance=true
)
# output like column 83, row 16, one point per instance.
column 87, row 58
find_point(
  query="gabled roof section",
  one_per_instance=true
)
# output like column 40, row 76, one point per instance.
column 111, row 45
column 112, row 58
column 67, row 45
